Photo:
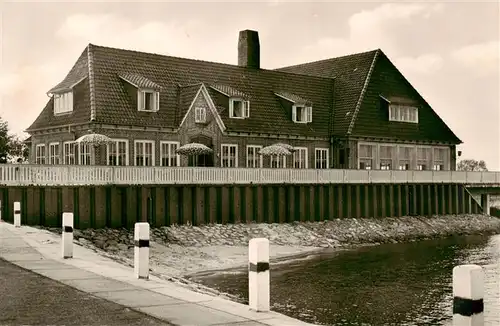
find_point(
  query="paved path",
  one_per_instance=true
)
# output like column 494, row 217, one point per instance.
column 31, row 299
column 101, row 278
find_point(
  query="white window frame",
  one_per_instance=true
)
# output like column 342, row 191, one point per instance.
column 383, row 162
column 308, row 113
column 39, row 150
column 55, row 159
column 71, row 157
column 84, row 154
column 369, row 161
column 117, row 142
column 222, row 158
column 245, row 108
column 321, row 156
column 427, row 162
column 280, row 161
column 403, row 161
column 401, row 113
column 300, row 158
column 445, row 162
column 200, row 114
column 257, row 159
column 144, row 142
column 141, row 93
column 169, row 145
column 63, row 103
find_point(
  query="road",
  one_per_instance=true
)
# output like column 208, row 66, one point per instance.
column 27, row 298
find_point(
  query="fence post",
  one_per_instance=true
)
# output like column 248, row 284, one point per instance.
column 67, row 235
column 141, row 250
column 258, row 275
column 17, row 214
column 468, row 293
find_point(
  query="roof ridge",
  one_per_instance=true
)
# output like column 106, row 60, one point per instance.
column 330, row 59
column 202, row 61
column 362, row 94
column 90, row 64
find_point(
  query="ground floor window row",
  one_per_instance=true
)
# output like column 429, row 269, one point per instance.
column 117, row 154
column 403, row 157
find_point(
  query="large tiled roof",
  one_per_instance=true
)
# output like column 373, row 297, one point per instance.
column 174, row 75
column 350, row 73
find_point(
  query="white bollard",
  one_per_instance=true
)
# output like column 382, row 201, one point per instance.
column 67, row 235
column 141, row 250
column 468, row 294
column 17, row 214
column 258, row 275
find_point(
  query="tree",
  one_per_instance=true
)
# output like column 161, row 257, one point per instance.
column 12, row 148
column 5, row 141
column 19, row 151
column 471, row 165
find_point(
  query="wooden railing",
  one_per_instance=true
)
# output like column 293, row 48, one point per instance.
column 17, row 174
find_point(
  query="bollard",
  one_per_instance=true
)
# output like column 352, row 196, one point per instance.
column 0, row 210
column 141, row 250
column 17, row 214
column 258, row 275
column 67, row 235
column 468, row 293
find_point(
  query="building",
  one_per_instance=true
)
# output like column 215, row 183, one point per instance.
column 356, row 111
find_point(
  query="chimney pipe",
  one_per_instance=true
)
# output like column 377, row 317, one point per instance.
column 249, row 49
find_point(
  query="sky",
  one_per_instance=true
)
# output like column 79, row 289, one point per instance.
column 449, row 51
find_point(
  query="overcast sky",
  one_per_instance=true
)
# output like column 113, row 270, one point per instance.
column 448, row 51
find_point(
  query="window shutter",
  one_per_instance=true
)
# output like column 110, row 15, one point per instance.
column 309, row 114
column 294, row 113
column 71, row 101
column 247, row 108
column 140, row 98
column 157, row 97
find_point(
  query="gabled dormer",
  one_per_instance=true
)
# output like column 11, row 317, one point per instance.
column 301, row 109
column 148, row 92
column 401, row 109
column 239, row 102
column 63, row 96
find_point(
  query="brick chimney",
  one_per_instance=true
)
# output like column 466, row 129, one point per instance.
column 249, row 49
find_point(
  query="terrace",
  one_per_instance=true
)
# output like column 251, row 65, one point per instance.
column 64, row 175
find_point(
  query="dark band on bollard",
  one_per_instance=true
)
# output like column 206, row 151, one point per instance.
column 68, row 229
column 141, row 243
column 259, row 267
column 17, row 211
column 467, row 307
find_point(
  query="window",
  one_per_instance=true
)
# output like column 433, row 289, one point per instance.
column 403, row 113
column 386, row 157
column 63, row 103
column 84, row 154
column 54, row 154
column 229, row 156
column 69, row 152
column 277, row 161
column 301, row 113
column 200, row 115
column 366, row 157
column 239, row 108
column 423, row 158
column 144, row 152
column 40, row 154
column 300, row 158
column 440, row 159
column 254, row 159
column 405, row 157
column 118, row 152
column 321, row 158
column 148, row 100
column 168, row 155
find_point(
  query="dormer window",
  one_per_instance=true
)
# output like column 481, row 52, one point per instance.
column 63, row 103
column 302, row 113
column 148, row 100
column 403, row 113
column 239, row 108
column 200, row 115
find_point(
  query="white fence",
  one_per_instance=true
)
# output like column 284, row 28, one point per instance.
column 17, row 175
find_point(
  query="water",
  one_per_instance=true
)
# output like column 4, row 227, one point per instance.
column 393, row 284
